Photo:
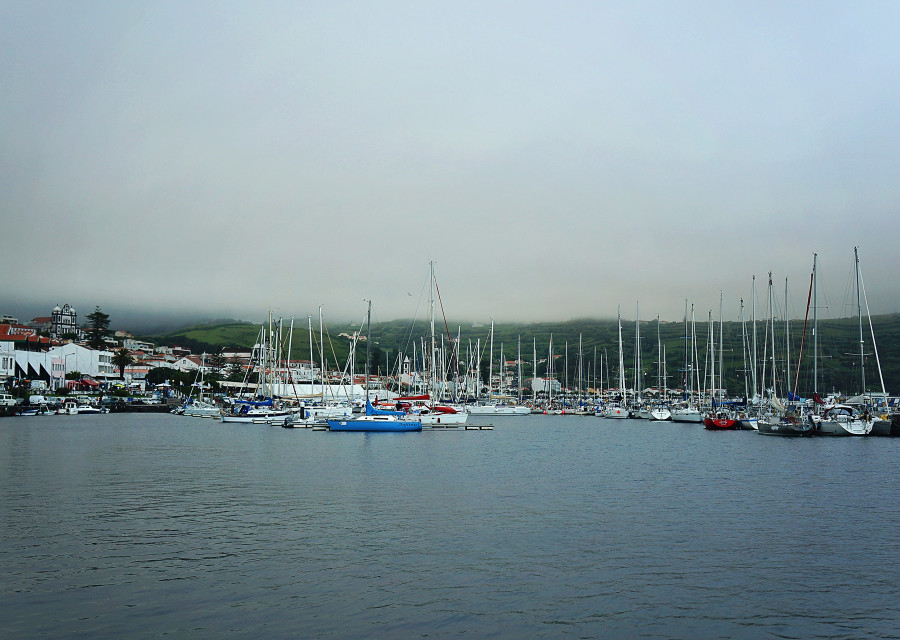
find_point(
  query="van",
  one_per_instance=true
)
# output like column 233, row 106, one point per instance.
column 36, row 399
column 7, row 400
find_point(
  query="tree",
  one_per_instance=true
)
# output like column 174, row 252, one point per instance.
column 98, row 328
column 122, row 358
column 216, row 362
column 234, row 372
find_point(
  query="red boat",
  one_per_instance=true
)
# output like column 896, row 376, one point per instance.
column 720, row 422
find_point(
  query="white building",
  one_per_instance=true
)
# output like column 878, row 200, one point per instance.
column 137, row 345
column 90, row 362
column 190, row 363
column 64, row 320
column 7, row 363
column 543, row 385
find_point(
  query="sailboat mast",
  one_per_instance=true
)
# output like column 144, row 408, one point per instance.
column 862, row 286
column 712, row 361
column 862, row 355
column 721, row 345
column 638, row 382
column 772, row 309
column 491, row 365
column 661, row 358
column 432, row 369
column 753, row 353
column 322, row 352
column 744, row 348
column 550, row 372
column 311, row 356
column 519, row 370
column 368, row 345
column 815, row 329
column 621, row 356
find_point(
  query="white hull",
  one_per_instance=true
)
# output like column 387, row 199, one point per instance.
column 687, row 415
column 615, row 412
column 843, row 427
column 660, row 414
column 497, row 410
column 441, row 418
column 268, row 417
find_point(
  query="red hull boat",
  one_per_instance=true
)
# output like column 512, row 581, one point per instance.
column 721, row 423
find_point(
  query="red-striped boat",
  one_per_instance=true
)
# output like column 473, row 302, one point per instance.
column 721, row 422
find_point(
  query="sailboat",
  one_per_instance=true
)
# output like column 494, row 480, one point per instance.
column 844, row 419
column 660, row 409
column 618, row 409
column 199, row 407
column 264, row 409
column 426, row 408
column 492, row 407
column 717, row 419
column 375, row 419
column 688, row 411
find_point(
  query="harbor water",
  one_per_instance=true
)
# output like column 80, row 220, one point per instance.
column 142, row 526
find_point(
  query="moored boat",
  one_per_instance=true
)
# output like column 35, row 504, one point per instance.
column 721, row 421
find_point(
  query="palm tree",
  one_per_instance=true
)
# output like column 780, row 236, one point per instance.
column 122, row 358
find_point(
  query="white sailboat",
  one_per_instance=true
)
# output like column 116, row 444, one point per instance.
column 492, row 407
column 688, row 411
column 660, row 410
column 264, row 410
column 843, row 419
column 618, row 408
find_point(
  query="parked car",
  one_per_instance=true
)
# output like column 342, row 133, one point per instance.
column 7, row 400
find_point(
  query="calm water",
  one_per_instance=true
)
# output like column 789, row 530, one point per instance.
column 135, row 526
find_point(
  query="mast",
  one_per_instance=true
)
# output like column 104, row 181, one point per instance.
column 638, row 381
column 862, row 355
column 744, row 349
column 772, row 308
column 432, row 368
column 872, row 330
column 579, row 369
column 753, row 354
column 659, row 355
column 550, row 373
column 712, row 361
column 721, row 345
column 491, row 365
column 685, row 377
column 322, row 357
column 621, row 356
column 519, row 370
column 368, row 345
column 815, row 329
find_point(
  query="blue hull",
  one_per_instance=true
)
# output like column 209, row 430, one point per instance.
column 375, row 425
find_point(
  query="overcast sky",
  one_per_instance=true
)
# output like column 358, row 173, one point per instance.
column 554, row 159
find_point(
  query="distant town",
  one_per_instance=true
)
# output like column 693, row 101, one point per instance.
column 59, row 354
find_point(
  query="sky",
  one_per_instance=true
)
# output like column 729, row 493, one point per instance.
column 554, row 160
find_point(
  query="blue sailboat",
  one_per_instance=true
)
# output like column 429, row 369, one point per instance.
column 375, row 419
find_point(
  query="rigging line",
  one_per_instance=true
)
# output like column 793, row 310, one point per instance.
column 412, row 325
column 453, row 356
column 333, row 355
column 803, row 339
